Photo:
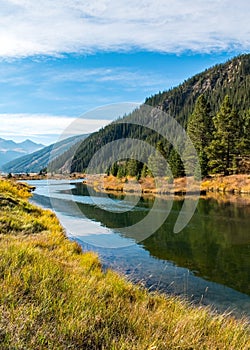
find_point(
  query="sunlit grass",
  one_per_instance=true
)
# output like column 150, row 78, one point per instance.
column 239, row 184
column 53, row 296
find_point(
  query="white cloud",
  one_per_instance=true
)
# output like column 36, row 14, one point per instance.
column 29, row 27
column 44, row 128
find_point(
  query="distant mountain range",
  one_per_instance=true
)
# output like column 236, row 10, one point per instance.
column 10, row 150
column 36, row 161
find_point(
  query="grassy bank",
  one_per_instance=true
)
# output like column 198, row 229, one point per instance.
column 233, row 184
column 53, row 296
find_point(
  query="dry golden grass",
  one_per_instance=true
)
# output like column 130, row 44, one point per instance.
column 232, row 183
column 239, row 184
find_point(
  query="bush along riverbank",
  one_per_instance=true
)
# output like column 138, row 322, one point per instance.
column 54, row 296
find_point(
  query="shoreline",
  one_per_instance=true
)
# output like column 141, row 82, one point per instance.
column 234, row 188
column 231, row 184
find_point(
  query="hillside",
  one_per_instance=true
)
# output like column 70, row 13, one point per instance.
column 38, row 160
column 10, row 150
column 230, row 79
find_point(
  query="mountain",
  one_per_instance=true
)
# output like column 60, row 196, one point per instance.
column 10, row 150
column 30, row 146
column 231, row 78
column 38, row 160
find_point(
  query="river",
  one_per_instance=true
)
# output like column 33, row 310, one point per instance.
column 208, row 262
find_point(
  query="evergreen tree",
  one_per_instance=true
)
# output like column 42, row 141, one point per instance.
column 176, row 164
column 199, row 131
column 169, row 175
column 121, row 172
column 203, row 160
column 114, row 169
column 244, row 140
column 144, row 171
column 132, row 167
column 156, row 162
column 224, row 147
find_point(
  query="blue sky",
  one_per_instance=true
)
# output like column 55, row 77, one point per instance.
column 61, row 59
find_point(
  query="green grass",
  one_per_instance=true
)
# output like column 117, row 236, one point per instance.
column 53, row 296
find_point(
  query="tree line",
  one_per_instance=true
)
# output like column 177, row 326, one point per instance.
column 221, row 141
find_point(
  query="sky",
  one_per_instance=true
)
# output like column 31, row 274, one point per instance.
column 63, row 59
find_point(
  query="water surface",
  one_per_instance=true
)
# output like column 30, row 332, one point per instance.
column 208, row 262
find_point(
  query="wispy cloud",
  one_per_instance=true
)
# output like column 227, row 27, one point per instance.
column 30, row 27
column 123, row 75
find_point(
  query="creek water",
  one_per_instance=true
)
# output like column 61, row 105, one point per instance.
column 208, row 262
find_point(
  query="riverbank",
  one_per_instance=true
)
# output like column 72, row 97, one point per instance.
column 233, row 184
column 55, row 296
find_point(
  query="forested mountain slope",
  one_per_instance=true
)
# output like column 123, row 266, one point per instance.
column 231, row 78
column 229, row 81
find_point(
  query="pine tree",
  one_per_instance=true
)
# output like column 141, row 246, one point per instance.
column 169, row 175
column 132, row 167
column 224, row 147
column 114, row 169
column 121, row 171
column 144, row 171
column 176, row 164
column 199, row 131
column 244, row 140
column 203, row 160
column 156, row 161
